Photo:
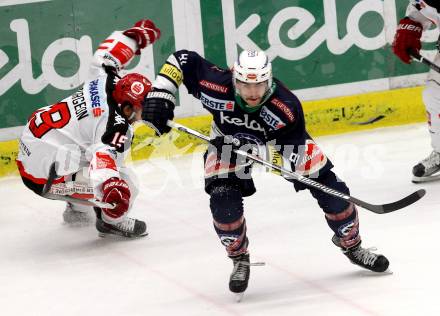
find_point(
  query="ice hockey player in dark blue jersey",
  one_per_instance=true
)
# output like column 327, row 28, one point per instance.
column 248, row 104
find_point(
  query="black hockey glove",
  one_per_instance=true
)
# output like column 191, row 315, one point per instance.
column 226, row 145
column 158, row 109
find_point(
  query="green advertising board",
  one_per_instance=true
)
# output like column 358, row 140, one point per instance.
column 46, row 45
column 312, row 43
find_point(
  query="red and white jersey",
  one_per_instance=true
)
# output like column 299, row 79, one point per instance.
column 85, row 129
column 426, row 12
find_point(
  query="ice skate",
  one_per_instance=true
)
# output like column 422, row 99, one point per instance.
column 427, row 169
column 73, row 216
column 238, row 281
column 129, row 227
column 364, row 257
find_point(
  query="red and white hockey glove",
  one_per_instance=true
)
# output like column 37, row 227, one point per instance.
column 144, row 32
column 116, row 191
column 407, row 39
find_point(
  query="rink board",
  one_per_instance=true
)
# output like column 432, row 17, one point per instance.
column 323, row 117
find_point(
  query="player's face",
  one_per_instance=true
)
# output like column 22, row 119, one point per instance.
column 132, row 114
column 252, row 93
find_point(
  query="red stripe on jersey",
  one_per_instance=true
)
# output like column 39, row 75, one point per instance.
column 311, row 160
column 105, row 161
column 28, row 176
column 110, row 40
column 310, row 148
column 214, row 166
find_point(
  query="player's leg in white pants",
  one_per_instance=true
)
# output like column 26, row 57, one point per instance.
column 78, row 214
column 431, row 98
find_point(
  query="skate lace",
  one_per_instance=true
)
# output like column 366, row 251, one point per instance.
column 127, row 225
column 432, row 160
column 239, row 272
column 366, row 255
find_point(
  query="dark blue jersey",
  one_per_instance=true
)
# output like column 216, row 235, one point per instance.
column 279, row 118
column 279, row 121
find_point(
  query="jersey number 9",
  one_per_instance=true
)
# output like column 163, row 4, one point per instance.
column 54, row 117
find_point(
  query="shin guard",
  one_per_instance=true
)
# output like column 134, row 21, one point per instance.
column 226, row 204
column 345, row 225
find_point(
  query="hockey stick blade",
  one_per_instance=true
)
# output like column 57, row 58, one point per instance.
column 378, row 209
column 390, row 207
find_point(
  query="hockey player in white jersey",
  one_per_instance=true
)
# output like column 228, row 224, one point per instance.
column 420, row 16
column 87, row 133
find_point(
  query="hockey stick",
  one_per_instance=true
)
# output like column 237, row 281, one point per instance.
column 425, row 61
column 52, row 176
column 48, row 195
column 378, row 209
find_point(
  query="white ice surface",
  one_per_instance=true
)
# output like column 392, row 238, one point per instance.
column 48, row 268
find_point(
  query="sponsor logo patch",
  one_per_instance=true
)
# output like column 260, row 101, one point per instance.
column 172, row 73
column 183, row 58
column 228, row 240
column 215, row 166
column 24, row 149
column 310, row 158
column 95, row 98
column 214, row 86
column 253, row 125
column 345, row 229
column 217, row 104
column 271, row 119
column 104, row 161
column 283, row 107
column 137, row 87
column 119, row 120
column 122, row 52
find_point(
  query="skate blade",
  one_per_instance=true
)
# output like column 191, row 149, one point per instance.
column 238, row 297
column 368, row 273
column 111, row 235
column 425, row 179
column 77, row 224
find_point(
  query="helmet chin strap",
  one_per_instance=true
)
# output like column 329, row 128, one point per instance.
column 133, row 113
column 132, row 116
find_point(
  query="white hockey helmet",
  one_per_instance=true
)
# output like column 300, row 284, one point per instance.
column 253, row 67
